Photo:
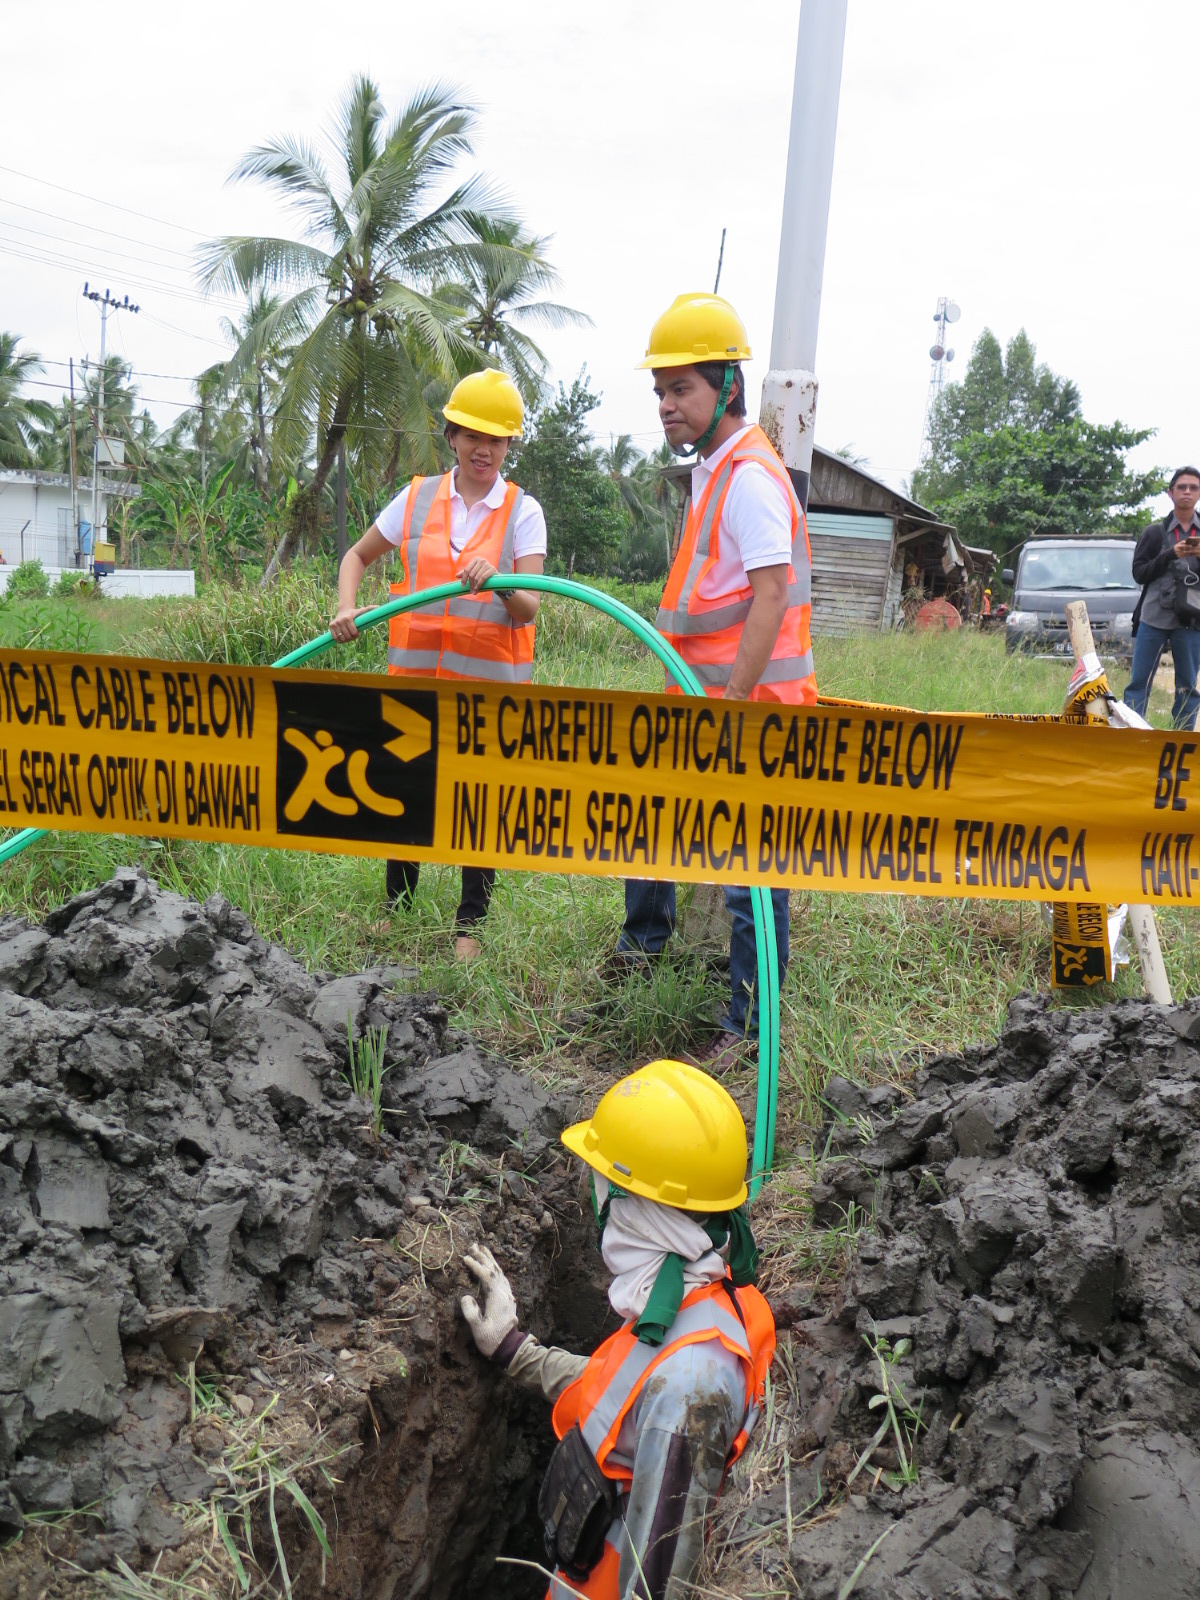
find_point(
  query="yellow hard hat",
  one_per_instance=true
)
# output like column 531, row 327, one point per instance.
column 696, row 327
column 670, row 1133
column 489, row 402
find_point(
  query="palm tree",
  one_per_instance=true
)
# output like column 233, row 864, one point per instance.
column 621, row 462
column 357, row 308
column 499, row 291
column 244, row 423
column 20, row 416
column 122, row 420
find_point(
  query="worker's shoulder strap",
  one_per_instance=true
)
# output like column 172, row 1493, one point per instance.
column 727, row 1285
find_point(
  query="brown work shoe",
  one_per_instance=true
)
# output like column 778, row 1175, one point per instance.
column 723, row 1053
column 621, row 964
column 467, row 948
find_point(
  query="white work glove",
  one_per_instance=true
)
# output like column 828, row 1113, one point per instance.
column 499, row 1315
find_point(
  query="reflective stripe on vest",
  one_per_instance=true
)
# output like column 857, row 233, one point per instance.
column 601, row 1397
column 707, row 632
column 704, row 1320
column 467, row 636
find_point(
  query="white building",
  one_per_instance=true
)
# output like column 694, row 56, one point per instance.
column 36, row 524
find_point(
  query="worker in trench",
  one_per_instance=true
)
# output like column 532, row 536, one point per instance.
column 467, row 524
column 649, row 1424
column 736, row 606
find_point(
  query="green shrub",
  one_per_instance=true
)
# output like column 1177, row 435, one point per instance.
column 27, row 582
column 249, row 626
column 71, row 585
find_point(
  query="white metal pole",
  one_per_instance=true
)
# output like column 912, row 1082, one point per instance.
column 790, row 387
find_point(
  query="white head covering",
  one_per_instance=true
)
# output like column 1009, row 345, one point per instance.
column 638, row 1237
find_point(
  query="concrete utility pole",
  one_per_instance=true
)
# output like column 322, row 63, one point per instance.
column 74, row 463
column 103, row 301
column 789, row 399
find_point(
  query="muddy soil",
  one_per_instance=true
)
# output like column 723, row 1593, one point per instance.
column 219, row 1286
column 1037, row 1239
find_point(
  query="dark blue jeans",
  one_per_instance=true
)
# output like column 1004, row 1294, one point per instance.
column 650, row 921
column 1148, row 647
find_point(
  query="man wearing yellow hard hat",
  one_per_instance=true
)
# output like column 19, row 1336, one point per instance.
column 737, row 603
column 649, row 1424
column 467, row 524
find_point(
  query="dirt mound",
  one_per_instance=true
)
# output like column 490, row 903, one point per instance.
column 227, row 1303
column 1037, row 1240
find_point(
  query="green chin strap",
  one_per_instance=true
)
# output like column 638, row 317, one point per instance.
column 722, row 402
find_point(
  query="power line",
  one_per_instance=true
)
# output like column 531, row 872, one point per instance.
column 92, row 227
column 97, row 201
column 173, row 377
column 43, row 255
column 76, row 244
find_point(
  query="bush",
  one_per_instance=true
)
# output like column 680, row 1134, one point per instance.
column 252, row 627
column 72, row 585
column 28, row 582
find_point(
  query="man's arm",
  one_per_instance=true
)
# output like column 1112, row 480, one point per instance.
column 1153, row 554
column 767, row 611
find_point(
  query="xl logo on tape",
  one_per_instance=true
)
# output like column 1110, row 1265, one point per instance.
column 356, row 763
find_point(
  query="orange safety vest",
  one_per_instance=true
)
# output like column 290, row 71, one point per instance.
column 471, row 635
column 707, row 632
column 600, row 1398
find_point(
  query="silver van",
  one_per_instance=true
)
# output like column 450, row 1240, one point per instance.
column 1051, row 572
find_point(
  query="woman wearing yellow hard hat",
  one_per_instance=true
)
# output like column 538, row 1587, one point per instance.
column 648, row 1424
column 468, row 524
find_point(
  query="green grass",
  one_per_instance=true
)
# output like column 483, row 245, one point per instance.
column 875, row 982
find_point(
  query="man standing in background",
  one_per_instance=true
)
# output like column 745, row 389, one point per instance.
column 737, row 602
column 1165, row 552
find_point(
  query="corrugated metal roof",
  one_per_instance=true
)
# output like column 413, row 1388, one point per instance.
column 849, row 525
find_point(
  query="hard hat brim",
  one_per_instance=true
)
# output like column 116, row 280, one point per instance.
column 464, row 419
column 689, row 358
column 575, row 1139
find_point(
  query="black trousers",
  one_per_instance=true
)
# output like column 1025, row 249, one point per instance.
column 477, row 883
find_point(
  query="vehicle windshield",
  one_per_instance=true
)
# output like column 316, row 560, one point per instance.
column 1078, row 567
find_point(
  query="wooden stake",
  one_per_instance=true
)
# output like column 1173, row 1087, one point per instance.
column 1141, row 918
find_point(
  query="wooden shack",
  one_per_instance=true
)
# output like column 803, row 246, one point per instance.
column 871, row 546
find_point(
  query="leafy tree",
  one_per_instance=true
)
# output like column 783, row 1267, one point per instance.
column 1011, row 455
column 558, row 463
column 20, row 417
column 364, row 327
column 645, row 549
column 500, row 292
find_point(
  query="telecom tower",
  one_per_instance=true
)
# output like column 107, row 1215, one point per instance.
column 946, row 314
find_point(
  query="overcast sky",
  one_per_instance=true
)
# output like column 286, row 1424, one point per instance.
column 1033, row 159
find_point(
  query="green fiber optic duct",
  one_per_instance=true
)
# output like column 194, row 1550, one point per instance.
column 764, row 919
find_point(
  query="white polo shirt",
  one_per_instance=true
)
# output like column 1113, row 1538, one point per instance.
column 756, row 521
column 529, row 535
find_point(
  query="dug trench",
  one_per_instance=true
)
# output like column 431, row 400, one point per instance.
column 231, row 1359
column 1026, row 1300
column 229, row 1348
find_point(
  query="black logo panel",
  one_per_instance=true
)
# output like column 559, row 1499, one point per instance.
column 356, row 763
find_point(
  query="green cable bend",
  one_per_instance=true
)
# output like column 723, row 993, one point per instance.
column 764, row 919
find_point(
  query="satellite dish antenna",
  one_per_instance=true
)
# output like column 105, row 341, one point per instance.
column 949, row 355
column 953, row 312
column 936, row 352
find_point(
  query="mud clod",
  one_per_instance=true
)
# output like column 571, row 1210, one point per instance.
column 201, row 1239
column 1035, row 1239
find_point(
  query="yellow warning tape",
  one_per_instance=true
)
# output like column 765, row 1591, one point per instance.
column 834, row 797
